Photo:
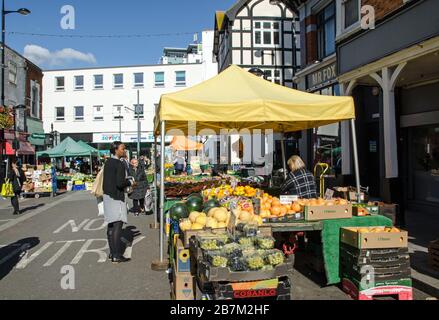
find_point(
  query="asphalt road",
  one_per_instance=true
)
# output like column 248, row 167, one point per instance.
column 57, row 249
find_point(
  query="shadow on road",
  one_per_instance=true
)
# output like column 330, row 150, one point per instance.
column 128, row 235
column 32, row 207
column 11, row 254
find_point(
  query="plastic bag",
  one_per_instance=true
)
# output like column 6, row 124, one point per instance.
column 148, row 200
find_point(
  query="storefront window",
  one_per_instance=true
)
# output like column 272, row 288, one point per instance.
column 425, row 163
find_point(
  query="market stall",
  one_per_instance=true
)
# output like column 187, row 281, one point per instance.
column 236, row 99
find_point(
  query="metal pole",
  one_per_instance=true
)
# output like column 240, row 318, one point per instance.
column 162, row 187
column 154, row 163
column 138, row 123
column 120, row 124
column 284, row 165
column 3, row 53
column 356, row 166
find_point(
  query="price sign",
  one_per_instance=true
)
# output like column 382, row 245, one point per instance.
column 287, row 199
column 231, row 227
column 329, row 194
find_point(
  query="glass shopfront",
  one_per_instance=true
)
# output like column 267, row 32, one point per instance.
column 424, row 164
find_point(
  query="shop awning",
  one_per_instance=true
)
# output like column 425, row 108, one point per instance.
column 68, row 148
column 237, row 99
column 25, row 149
column 181, row 143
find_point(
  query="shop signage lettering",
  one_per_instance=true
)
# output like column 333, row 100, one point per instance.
column 242, row 294
column 321, row 76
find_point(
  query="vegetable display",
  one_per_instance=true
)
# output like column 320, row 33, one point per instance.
column 265, row 242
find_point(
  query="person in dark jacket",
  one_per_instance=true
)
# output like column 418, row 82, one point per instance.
column 17, row 178
column 115, row 182
column 300, row 181
column 137, row 171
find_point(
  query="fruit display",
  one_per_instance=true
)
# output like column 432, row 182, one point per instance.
column 179, row 211
column 216, row 259
column 227, row 190
column 194, row 203
column 211, row 244
column 255, row 262
column 212, row 203
column 181, row 187
column 377, row 229
column 216, row 218
column 237, row 264
column 265, row 242
column 274, row 257
column 232, row 250
column 246, row 241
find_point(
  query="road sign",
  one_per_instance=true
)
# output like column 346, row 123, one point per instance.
column 38, row 136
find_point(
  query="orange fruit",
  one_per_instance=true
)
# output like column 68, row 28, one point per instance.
column 275, row 211
column 296, row 207
column 283, row 210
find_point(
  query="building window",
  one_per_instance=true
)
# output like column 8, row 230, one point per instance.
column 351, row 11
column 35, row 99
column 159, row 79
column 59, row 114
column 79, row 82
column 326, row 31
column 138, row 79
column 12, row 72
column 118, row 80
column 59, row 84
column 272, row 76
column 79, row 113
column 266, row 33
column 180, row 78
column 117, row 112
column 98, row 81
column 98, row 112
column 138, row 111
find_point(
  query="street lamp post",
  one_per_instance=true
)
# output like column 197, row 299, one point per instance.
column 16, row 142
column 137, row 112
column 24, row 12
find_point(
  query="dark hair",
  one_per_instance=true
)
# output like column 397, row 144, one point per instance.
column 114, row 146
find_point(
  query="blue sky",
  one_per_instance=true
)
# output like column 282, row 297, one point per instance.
column 107, row 17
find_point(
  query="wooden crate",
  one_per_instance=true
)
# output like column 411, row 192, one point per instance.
column 433, row 255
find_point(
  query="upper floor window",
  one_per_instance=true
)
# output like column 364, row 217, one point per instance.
column 79, row 82
column 180, row 78
column 266, row 33
column 98, row 112
column 326, row 31
column 79, row 113
column 98, row 81
column 12, row 72
column 351, row 12
column 59, row 114
column 59, row 83
column 138, row 79
column 272, row 76
column 118, row 80
column 35, row 99
column 159, row 79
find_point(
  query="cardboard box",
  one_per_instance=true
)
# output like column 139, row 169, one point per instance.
column 366, row 210
column 183, row 286
column 370, row 240
column 314, row 213
column 182, row 257
column 40, row 167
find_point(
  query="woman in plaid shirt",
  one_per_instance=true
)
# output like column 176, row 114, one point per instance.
column 300, row 181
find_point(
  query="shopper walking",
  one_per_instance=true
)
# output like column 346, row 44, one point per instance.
column 115, row 182
column 137, row 171
column 17, row 178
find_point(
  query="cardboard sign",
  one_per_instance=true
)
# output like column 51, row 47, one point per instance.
column 288, row 199
column 329, row 194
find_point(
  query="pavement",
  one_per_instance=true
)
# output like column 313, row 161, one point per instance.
column 57, row 250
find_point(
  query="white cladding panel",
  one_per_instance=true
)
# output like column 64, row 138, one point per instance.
column 236, row 40
column 246, row 40
column 236, row 57
column 265, row 9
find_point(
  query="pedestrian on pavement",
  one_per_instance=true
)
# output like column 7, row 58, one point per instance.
column 17, row 178
column 115, row 182
column 300, row 182
column 137, row 171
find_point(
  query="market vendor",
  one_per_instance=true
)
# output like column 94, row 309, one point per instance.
column 300, row 181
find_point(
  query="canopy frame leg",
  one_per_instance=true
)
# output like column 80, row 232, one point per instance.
column 162, row 187
column 284, row 164
column 356, row 165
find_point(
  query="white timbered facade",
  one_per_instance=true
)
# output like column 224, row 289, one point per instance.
column 258, row 34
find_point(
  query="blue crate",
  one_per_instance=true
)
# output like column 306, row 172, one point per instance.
column 79, row 187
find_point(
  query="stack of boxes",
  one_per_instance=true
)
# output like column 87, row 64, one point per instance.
column 433, row 255
column 375, row 263
column 183, row 283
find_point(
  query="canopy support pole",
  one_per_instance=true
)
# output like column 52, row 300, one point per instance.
column 161, row 264
column 284, row 165
column 154, row 184
column 356, row 166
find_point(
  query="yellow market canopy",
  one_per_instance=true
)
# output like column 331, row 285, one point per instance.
column 237, row 99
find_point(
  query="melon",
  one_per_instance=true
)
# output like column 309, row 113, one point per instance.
column 221, row 225
column 201, row 220
column 197, row 226
column 245, row 216
column 212, row 203
column 194, row 203
column 185, row 224
column 220, row 215
column 211, row 212
column 178, row 211
column 194, row 215
column 211, row 223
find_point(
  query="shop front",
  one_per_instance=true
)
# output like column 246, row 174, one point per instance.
column 37, row 137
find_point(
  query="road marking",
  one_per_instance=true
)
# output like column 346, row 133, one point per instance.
column 63, row 249
column 129, row 249
column 73, row 225
column 34, row 213
column 101, row 252
column 6, row 220
column 102, row 226
column 25, row 260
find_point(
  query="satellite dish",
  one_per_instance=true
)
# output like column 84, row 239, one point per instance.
column 258, row 53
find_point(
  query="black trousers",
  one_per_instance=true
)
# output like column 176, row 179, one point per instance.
column 114, row 234
column 138, row 204
column 14, row 202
